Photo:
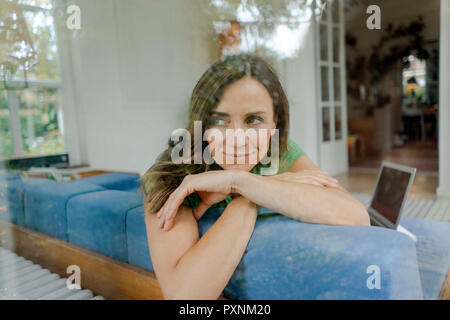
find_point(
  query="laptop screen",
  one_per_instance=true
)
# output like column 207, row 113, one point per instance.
column 391, row 190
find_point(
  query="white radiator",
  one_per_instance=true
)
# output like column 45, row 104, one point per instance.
column 21, row 279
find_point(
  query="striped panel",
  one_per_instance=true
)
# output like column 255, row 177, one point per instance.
column 440, row 211
column 21, row 279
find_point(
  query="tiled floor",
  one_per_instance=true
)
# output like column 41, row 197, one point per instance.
column 363, row 181
column 422, row 155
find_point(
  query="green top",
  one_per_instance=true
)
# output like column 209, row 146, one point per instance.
column 287, row 159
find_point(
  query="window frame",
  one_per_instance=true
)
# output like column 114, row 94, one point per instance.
column 19, row 83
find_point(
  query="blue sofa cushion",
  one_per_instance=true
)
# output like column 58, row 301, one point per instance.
column 115, row 181
column 97, row 221
column 288, row 259
column 433, row 253
column 45, row 204
column 11, row 200
column 10, row 175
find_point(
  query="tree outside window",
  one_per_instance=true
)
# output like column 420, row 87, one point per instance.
column 30, row 110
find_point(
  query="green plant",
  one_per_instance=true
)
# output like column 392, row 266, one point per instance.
column 393, row 48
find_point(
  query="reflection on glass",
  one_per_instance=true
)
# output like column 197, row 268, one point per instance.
column 268, row 28
column 42, row 31
column 324, row 8
column 324, row 83
column 41, row 121
column 337, row 84
column 16, row 47
column 323, row 42
column 325, row 124
column 41, row 36
column 6, row 147
column 47, row 4
column 336, row 44
column 337, row 123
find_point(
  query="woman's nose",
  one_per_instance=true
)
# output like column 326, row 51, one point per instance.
column 237, row 136
column 236, row 126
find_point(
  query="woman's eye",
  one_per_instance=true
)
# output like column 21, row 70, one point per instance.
column 217, row 122
column 255, row 120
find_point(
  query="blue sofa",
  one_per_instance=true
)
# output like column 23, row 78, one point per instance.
column 285, row 259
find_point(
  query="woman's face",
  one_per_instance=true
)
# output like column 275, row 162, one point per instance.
column 245, row 104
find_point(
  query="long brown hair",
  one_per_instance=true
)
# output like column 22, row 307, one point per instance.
column 163, row 177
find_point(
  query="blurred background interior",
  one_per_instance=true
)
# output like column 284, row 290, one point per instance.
column 95, row 87
column 107, row 95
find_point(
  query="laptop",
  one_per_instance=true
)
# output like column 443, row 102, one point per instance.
column 392, row 188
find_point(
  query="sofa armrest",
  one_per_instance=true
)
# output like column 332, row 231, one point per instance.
column 288, row 259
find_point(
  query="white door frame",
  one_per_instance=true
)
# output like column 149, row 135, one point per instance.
column 333, row 154
column 444, row 101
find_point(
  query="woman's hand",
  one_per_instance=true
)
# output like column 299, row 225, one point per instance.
column 211, row 186
column 314, row 177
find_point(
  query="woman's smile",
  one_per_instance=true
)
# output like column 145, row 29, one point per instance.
column 239, row 157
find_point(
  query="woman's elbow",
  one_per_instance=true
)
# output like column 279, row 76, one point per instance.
column 188, row 296
column 188, row 293
column 176, row 295
column 361, row 216
column 179, row 286
column 174, row 291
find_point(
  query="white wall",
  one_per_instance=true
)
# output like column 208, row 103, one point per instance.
column 444, row 102
column 135, row 64
column 300, row 78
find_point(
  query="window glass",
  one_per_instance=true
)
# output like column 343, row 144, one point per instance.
column 337, row 123
column 41, row 121
column 6, row 148
column 335, row 11
column 336, row 52
column 337, row 83
column 324, row 81
column 323, row 42
column 41, row 28
column 30, row 110
column 326, row 124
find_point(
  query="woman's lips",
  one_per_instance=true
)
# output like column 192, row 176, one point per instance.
column 239, row 156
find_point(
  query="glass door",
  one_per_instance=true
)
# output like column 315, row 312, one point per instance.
column 332, row 95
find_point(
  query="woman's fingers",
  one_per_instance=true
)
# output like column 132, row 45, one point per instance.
column 326, row 181
column 162, row 214
column 168, row 223
column 322, row 176
column 323, row 179
column 174, row 202
column 320, row 173
column 170, row 208
column 161, row 222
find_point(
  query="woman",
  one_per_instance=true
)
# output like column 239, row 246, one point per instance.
column 239, row 92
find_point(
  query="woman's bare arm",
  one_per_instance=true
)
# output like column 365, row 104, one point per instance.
column 305, row 193
column 309, row 202
column 303, row 201
column 191, row 268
